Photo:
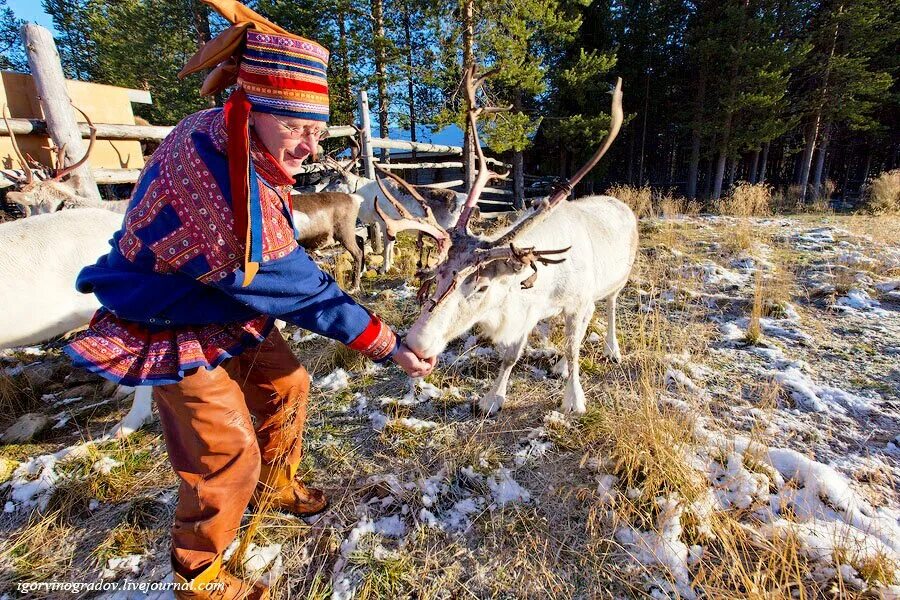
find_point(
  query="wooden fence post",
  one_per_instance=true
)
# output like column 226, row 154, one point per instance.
column 365, row 132
column 368, row 161
column 46, row 69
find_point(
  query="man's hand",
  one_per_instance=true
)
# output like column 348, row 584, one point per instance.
column 414, row 366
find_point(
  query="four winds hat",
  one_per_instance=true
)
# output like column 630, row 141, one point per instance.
column 275, row 72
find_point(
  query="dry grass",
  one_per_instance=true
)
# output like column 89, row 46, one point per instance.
column 36, row 551
column 639, row 199
column 881, row 195
column 561, row 545
column 16, row 397
column 122, row 540
column 671, row 206
column 754, row 331
column 747, row 200
column 646, row 203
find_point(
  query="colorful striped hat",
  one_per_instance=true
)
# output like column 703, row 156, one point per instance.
column 280, row 72
column 285, row 75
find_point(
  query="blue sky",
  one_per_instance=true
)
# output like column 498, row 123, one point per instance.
column 31, row 10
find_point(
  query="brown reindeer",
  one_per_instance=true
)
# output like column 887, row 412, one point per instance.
column 324, row 218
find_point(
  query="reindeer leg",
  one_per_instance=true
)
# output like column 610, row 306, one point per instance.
column 611, row 351
column 346, row 235
column 576, row 326
column 388, row 255
column 492, row 402
column 139, row 415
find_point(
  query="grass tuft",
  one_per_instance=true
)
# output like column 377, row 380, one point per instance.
column 881, row 195
column 747, row 200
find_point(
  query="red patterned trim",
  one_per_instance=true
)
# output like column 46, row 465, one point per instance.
column 377, row 341
column 130, row 354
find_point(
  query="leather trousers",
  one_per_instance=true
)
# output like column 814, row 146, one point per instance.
column 216, row 448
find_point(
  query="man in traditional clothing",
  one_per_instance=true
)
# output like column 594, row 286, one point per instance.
column 205, row 262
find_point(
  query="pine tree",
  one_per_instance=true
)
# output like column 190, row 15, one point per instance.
column 12, row 56
column 74, row 21
column 574, row 118
column 339, row 26
column 840, row 86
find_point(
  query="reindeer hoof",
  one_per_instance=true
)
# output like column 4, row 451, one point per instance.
column 575, row 409
column 613, row 356
column 561, row 368
column 488, row 406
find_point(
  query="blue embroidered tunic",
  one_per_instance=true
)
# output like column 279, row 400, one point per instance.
column 170, row 287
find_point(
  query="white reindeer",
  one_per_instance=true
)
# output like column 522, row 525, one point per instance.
column 41, row 258
column 45, row 192
column 586, row 248
column 444, row 204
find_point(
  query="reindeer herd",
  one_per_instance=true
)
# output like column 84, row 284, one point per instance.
column 559, row 258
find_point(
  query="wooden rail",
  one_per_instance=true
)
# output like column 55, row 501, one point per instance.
column 143, row 133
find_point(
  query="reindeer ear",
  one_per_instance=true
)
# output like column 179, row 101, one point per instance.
column 503, row 268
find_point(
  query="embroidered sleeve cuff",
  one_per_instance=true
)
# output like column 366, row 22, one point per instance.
column 377, row 341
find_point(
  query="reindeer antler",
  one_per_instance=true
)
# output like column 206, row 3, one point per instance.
column 343, row 168
column 472, row 83
column 63, row 172
column 407, row 220
column 541, row 212
column 475, row 255
column 29, row 176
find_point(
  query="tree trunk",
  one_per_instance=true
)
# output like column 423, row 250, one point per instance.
column 707, row 180
column 820, row 162
column 693, row 167
column 753, row 165
column 518, row 162
column 644, row 125
column 719, row 175
column 344, row 52
column 50, row 83
column 812, row 133
column 816, row 121
column 731, row 174
column 381, row 72
column 868, row 167
column 631, row 155
column 846, row 182
column 763, row 161
column 468, row 60
column 407, row 27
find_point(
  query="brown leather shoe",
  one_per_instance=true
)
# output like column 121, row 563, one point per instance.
column 279, row 489
column 215, row 583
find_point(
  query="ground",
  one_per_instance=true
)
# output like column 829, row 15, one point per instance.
column 748, row 445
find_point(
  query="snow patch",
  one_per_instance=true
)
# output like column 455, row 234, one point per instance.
column 335, row 381
column 506, row 490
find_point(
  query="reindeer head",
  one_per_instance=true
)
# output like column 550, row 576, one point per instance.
column 347, row 181
column 41, row 190
column 474, row 274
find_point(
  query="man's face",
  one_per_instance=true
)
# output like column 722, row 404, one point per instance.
column 290, row 140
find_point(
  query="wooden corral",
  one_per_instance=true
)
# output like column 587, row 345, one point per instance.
column 103, row 103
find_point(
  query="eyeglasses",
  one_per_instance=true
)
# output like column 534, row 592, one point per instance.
column 303, row 130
